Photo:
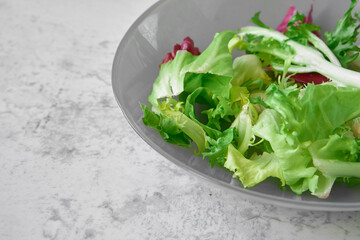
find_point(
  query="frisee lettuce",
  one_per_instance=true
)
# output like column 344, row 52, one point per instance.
column 246, row 115
column 342, row 40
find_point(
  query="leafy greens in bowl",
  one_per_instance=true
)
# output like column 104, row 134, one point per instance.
column 287, row 109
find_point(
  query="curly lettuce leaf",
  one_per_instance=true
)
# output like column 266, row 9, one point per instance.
column 218, row 84
column 255, row 170
column 256, row 20
column 168, row 127
column 296, row 121
column 288, row 56
column 337, row 156
column 221, row 116
column 247, row 70
column 300, row 31
column 342, row 40
column 317, row 113
column 218, row 148
column 243, row 126
column 174, row 126
column 325, row 108
column 294, row 162
column 205, row 97
column 215, row 60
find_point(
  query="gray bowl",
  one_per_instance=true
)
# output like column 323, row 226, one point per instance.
column 167, row 22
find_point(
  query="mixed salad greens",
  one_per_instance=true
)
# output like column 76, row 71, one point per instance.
column 289, row 108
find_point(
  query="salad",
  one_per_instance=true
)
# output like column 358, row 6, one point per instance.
column 287, row 108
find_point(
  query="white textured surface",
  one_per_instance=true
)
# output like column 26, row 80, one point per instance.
column 70, row 165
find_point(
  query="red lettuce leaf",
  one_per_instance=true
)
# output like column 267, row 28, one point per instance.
column 187, row 44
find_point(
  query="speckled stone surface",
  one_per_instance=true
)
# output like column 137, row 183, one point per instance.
column 71, row 167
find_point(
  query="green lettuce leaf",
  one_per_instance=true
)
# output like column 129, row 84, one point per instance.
column 297, row 120
column 218, row 148
column 174, row 126
column 247, row 70
column 256, row 20
column 294, row 161
column 167, row 127
column 299, row 31
column 253, row 171
column 288, row 56
column 243, row 126
column 204, row 97
column 337, row 156
column 325, row 108
column 215, row 60
column 342, row 40
column 317, row 113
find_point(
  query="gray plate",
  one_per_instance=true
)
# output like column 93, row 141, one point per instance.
column 167, row 22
